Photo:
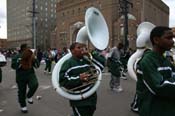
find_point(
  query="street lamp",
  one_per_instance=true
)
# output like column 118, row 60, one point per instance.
column 130, row 17
column 132, row 20
column 124, row 5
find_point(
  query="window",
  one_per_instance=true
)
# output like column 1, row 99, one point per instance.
column 79, row 9
column 73, row 11
column 41, row 7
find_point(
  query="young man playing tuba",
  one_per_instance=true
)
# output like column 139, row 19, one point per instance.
column 73, row 73
column 156, row 76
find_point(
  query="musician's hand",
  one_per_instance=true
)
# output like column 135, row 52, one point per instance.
column 34, row 56
column 84, row 76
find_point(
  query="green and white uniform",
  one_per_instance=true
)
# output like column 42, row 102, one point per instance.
column 25, row 78
column 69, row 78
column 48, row 60
column 114, row 67
column 155, row 85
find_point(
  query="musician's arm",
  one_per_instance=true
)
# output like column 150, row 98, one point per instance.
column 66, row 80
column 157, row 82
column 16, row 62
column 36, row 63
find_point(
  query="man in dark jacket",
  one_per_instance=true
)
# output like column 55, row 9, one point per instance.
column 73, row 74
column 114, row 67
column 156, row 76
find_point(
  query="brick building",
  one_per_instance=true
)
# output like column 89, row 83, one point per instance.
column 3, row 43
column 173, row 30
column 70, row 17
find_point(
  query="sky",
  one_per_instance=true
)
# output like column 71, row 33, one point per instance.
column 3, row 22
column 3, row 16
column 171, row 4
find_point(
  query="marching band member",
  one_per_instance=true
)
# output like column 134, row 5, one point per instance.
column 155, row 76
column 0, row 75
column 2, row 63
column 73, row 74
column 48, row 60
column 24, row 64
column 114, row 67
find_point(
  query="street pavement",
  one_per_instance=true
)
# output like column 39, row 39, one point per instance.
column 48, row 103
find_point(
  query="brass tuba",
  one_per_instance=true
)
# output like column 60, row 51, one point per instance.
column 142, row 43
column 95, row 30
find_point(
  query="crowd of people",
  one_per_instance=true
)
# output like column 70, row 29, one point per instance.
column 155, row 73
column 25, row 60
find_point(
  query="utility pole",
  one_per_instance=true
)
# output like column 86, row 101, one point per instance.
column 124, row 6
column 33, row 12
column 34, row 26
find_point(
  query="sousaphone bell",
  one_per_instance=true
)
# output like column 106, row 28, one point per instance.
column 3, row 60
column 142, row 43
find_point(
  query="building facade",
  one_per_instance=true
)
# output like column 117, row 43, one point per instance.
column 70, row 18
column 3, row 43
column 28, row 25
column 173, row 30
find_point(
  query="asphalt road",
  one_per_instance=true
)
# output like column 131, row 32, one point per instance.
column 52, row 104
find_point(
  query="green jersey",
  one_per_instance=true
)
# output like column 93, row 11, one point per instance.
column 15, row 64
column 69, row 76
column 155, row 85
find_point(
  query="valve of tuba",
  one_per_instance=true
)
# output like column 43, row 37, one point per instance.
column 93, row 74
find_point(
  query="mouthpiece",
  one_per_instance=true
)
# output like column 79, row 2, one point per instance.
column 96, row 13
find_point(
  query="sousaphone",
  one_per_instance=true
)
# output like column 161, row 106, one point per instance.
column 95, row 30
column 142, row 43
column 3, row 60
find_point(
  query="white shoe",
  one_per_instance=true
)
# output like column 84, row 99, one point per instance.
column 24, row 110
column 135, row 110
column 118, row 89
column 30, row 100
column 123, row 77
